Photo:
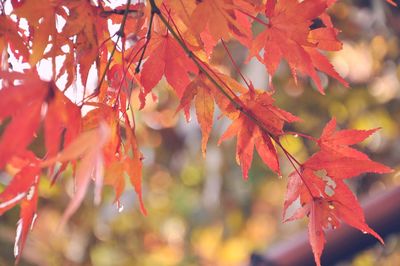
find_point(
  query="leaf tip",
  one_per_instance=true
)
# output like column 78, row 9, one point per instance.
column 143, row 209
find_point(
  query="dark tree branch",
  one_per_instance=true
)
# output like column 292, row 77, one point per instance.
column 106, row 13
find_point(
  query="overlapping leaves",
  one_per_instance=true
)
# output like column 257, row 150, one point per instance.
column 319, row 185
column 101, row 144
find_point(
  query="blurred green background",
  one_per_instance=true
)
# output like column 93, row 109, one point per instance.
column 200, row 210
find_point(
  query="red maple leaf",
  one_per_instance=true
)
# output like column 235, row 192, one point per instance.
column 22, row 104
column 326, row 212
column 9, row 34
column 249, row 134
column 180, row 37
column 338, row 159
column 62, row 121
column 319, row 185
column 391, row 2
column 288, row 36
column 23, row 190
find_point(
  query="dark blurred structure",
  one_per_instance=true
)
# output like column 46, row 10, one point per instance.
column 382, row 213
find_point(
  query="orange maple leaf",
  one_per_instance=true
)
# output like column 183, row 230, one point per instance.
column 167, row 58
column 41, row 16
column 216, row 19
column 202, row 91
column 89, row 147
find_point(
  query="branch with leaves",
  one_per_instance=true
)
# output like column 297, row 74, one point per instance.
column 175, row 41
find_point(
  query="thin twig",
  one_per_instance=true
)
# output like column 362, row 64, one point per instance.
column 154, row 10
column 253, row 17
column 120, row 33
column 148, row 37
column 130, row 60
column 107, row 13
column 234, row 64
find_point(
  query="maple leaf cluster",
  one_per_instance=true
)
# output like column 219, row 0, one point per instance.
column 175, row 40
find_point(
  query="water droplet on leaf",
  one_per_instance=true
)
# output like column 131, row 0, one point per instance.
column 17, row 238
column 120, row 207
column 31, row 192
column 33, row 221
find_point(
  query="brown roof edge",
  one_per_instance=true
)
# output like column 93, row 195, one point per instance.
column 382, row 213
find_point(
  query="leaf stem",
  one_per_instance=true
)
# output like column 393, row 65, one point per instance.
column 120, row 34
column 301, row 135
column 253, row 17
column 148, row 37
column 130, row 61
column 234, row 64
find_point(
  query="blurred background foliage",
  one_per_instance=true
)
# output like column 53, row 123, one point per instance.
column 200, row 211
